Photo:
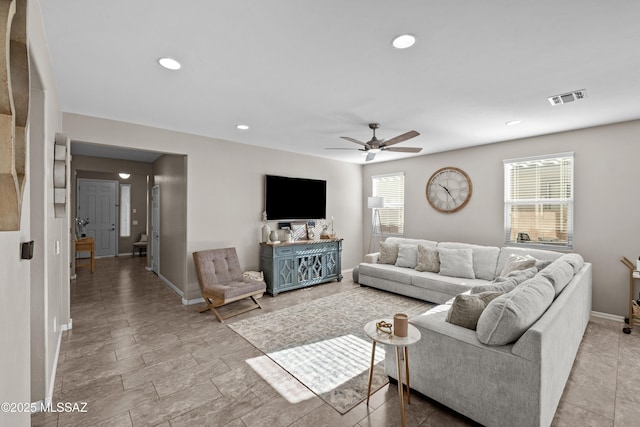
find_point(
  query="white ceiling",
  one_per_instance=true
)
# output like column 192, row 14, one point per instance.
column 304, row 73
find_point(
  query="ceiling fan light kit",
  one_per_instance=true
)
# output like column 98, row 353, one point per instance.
column 375, row 145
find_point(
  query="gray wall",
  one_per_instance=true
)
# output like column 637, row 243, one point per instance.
column 225, row 187
column 170, row 174
column 606, row 202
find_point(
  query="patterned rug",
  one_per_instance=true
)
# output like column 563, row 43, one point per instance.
column 322, row 342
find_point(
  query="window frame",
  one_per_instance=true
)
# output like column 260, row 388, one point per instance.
column 378, row 228
column 540, row 201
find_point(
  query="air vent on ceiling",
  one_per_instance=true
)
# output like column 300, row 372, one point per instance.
column 565, row 98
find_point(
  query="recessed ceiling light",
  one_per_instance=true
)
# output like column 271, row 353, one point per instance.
column 242, row 127
column 169, row 63
column 403, row 41
column 513, row 123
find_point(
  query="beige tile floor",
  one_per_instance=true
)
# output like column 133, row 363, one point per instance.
column 137, row 356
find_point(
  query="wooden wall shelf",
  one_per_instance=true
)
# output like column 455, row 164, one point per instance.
column 14, row 110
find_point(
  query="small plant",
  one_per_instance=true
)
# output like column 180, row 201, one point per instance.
column 81, row 224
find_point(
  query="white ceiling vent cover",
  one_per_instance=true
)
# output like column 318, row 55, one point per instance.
column 565, row 98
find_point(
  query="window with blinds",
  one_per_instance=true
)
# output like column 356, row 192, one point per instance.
column 538, row 201
column 391, row 187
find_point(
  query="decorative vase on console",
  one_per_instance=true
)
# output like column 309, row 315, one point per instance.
column 266, row 230
column 273, row 236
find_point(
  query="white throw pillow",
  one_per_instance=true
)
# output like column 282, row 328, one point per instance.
column 407, row 256
column 456, row 263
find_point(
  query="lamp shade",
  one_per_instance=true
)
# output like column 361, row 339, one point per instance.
column 375, row 202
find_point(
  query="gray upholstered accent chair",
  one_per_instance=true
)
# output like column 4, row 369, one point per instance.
column 222, row 282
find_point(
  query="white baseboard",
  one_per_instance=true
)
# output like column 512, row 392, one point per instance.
column 67, row 326
column 40, row 405
column 146, row 267
column 192, row 301
column 608, row 316
column 171, row 285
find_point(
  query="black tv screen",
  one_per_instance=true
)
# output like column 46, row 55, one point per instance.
column 295, row 198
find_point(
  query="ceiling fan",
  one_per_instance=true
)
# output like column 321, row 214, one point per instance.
column 375, row 145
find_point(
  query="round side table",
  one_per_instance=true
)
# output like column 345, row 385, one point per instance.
column 401, row 344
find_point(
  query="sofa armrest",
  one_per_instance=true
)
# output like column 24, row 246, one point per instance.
column 372, row 258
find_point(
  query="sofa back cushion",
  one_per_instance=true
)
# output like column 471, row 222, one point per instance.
column 485, row 258
column 509, row 316
column 407, row 241
column 561, row 271
column 507, row 252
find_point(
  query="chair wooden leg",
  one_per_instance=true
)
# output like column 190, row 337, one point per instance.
column 211, row 305
column 256, row 301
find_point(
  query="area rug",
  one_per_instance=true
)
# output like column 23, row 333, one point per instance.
column 322, row 342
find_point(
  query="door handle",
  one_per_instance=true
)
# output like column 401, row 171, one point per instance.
column 113, row 229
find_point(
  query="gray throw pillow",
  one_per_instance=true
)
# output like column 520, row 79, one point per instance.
column 428, row 259
column 388, row 253
column 456, row 263
column 407, row 256
column 517, row 262
column 466, row 309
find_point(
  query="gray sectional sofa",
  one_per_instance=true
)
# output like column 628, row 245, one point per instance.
column 511, row 370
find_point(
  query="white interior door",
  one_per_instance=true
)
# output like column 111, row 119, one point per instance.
column 155, row 229
column 97, row 201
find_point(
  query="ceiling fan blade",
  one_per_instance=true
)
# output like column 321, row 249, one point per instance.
column 370, row 156
column 352, row 140
column 400, row 138
column 342, row 148
column 404, row 149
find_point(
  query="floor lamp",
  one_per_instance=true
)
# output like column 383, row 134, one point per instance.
column 375, row 203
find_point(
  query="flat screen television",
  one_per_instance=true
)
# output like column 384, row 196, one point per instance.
column 295, row 198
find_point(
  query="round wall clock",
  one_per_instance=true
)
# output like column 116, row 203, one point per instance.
column 449, row 190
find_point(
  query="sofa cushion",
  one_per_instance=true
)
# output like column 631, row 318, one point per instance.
column 539, row 254
column 575, row 260
column 517, row 262
column 444, row 284
column 507, row 317
column 407, row 241
column 407, row 255
column 507, row 284
column 428, row 259
column 386, row 272
column 456, row 263
column 466, row 309
column 388, row 253
column 559, row 273
column 485, row 258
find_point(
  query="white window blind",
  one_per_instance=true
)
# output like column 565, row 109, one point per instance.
column 538, row 208
column 125, row 210
column 391, row 187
